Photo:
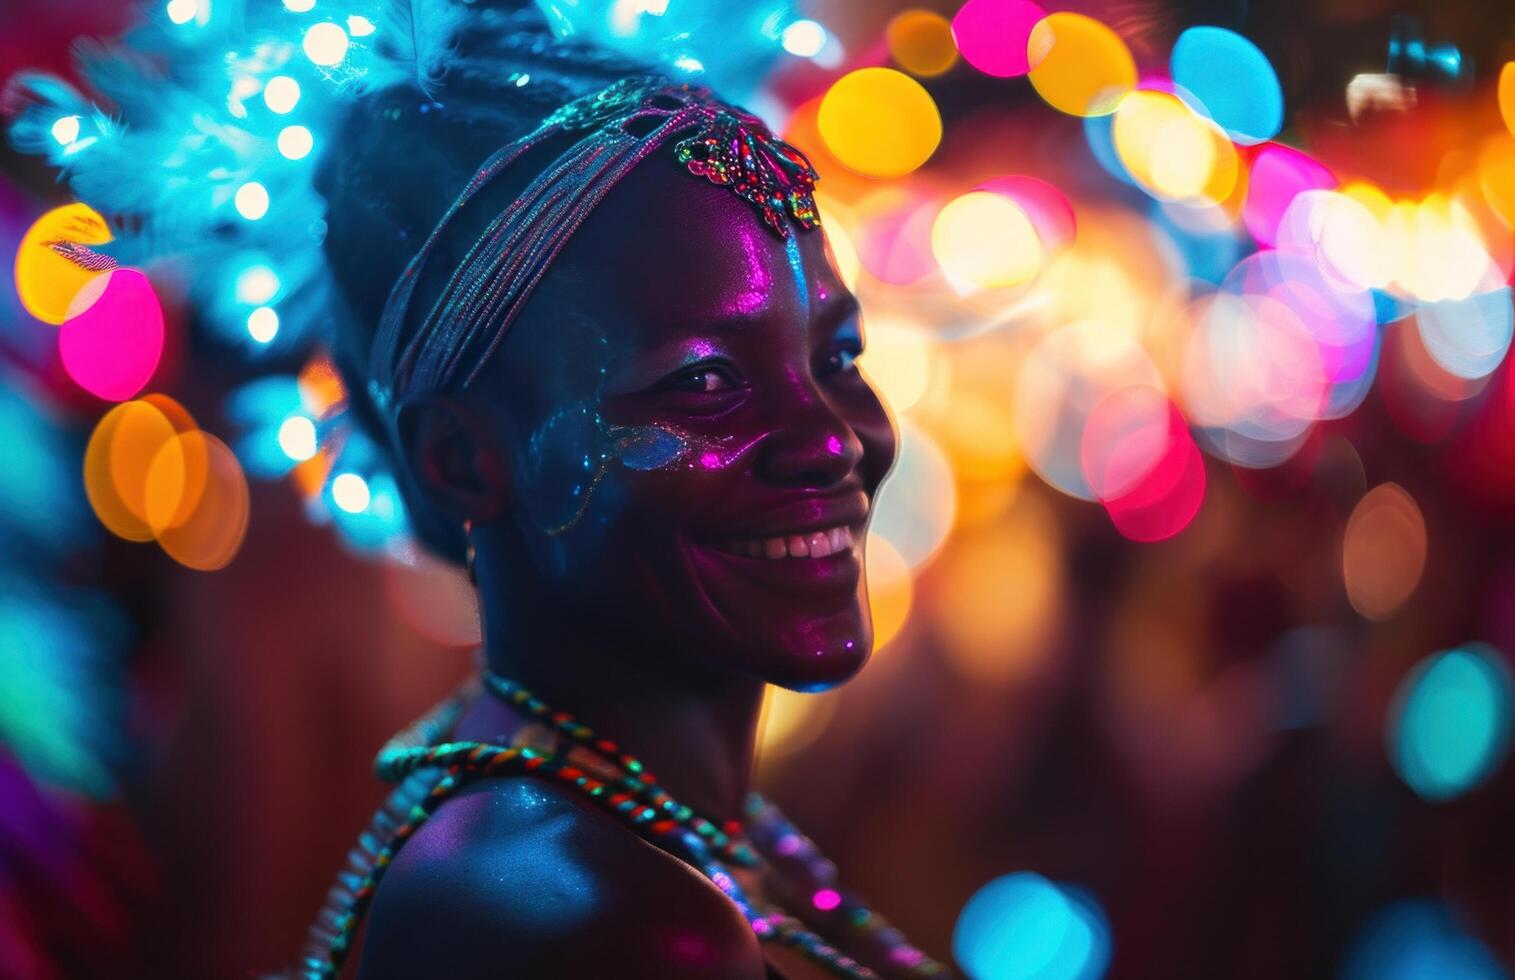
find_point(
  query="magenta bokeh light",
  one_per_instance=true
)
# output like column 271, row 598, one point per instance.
column 992, row 35
column 1279, row 173
column 112, row 348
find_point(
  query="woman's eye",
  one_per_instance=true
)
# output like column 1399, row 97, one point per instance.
column 704, row 381
column 841, row 359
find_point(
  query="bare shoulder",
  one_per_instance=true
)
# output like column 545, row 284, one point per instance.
column 520, row 877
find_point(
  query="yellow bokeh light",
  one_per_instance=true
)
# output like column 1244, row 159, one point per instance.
column 1351, row 243
column 921, row 42
column 1507, row 95
column 139, row 434
column 983, row 240
column 898, row 360
column 891, row 590
column 1371, row 197
column 46, row 282
column 210, row 536
column 979, row 435
column 173, row 483
column 1383, row 551
column 1172, row 152
column 791, row 721
column 1444, row 257
column 1080, row 66
column 839, row 247
column 879, row 122
column 1496, row 175
column 996, row 598
column 99, row 484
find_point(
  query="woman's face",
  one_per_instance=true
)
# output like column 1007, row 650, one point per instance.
column 693, row 454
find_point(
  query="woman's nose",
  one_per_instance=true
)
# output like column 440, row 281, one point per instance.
column 812, row 447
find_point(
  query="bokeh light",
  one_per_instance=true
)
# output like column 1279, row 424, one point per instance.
column 263, row 324
column 118, row 460
column 880, row 122
column 1278, row 174
column 1506, row 94
column 325, row 44
column 297, row 437
column 47, row 283
column 112, row 348
column 66, row 130
column 791, row 720
column 1383, row 551
column 804, row 38
column 1450, row 723
column 1416, row 939
column 894, row 242
column 1172, row 153
column 916, row 508
column 1496, row 174
column 209, row 536
column 1468, row 337
column 281, row 94
column 1232, row 80
column 920, row 41
column 994, row 36
column 891, row 590
column 1440, row 252
column 1341, row 234
column 351, row 493
column 985, row 240
column 1060, row 382
column 251, row 200
column 999, row 594
column 144, row 428
column 295, row 142
column 1049, row 209
column 1079, row 65
column 1140, row 461
column 256, row 283
column 898, row 361
column 1021, row 926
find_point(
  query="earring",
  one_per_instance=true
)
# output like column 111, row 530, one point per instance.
column 469, row 554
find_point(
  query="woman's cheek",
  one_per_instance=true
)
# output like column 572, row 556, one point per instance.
column 562, row 462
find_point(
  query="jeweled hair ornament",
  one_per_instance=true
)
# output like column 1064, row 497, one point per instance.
column 622, row 125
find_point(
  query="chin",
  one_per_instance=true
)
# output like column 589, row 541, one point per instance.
column 816, row 654
column 802, row 625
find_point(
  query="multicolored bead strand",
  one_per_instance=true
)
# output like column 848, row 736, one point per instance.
column 637, row 779
column 783, row 845
column 429, row 770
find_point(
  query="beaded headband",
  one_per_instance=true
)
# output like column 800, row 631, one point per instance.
column 623, row 125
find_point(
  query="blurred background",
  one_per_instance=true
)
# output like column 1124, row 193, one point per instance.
column 1194, row 579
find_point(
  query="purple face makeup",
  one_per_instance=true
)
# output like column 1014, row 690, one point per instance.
column 695, row 454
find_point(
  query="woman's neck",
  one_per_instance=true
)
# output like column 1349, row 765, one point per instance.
column 696, row 732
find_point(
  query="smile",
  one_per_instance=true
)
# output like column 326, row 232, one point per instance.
column 819, row 543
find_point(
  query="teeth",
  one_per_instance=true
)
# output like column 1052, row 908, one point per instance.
column 813, row 544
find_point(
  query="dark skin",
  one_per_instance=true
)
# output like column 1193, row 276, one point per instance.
column 703, row 366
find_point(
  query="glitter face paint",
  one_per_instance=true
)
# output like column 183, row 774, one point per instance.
column 645, row 448
column 678, row 401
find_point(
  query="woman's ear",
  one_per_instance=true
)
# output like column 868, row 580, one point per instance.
column 457, row 458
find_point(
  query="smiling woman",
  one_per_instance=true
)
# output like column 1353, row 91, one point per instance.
column 619, row 377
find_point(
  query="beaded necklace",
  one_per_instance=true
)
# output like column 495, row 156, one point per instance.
column 429, row 769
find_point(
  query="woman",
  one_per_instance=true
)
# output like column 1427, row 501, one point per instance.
column 621, row 374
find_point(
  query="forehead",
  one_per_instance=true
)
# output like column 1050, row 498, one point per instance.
column 667, row 252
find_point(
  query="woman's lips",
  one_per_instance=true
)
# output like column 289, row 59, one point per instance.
column 818, row 543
